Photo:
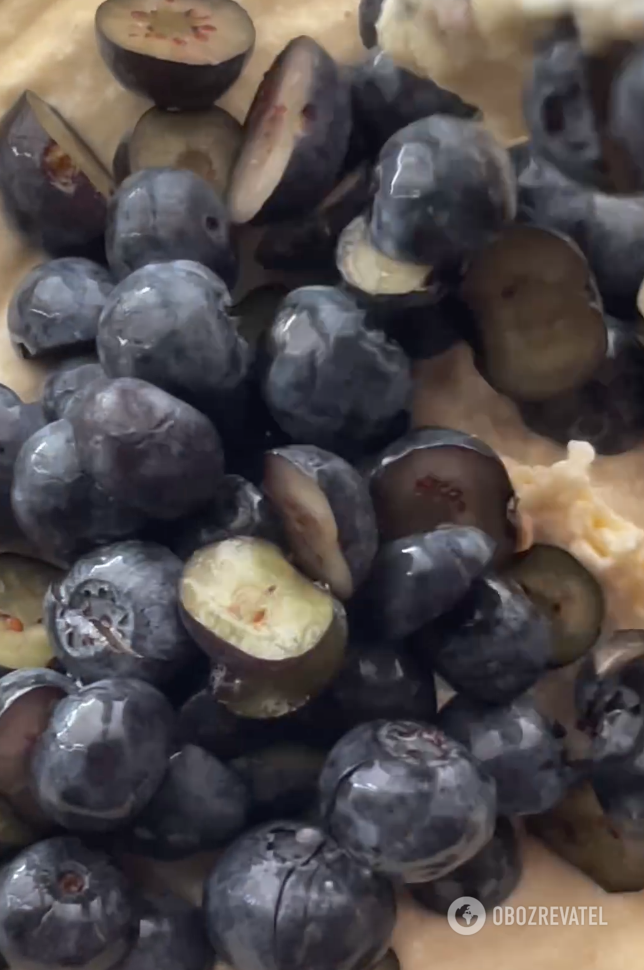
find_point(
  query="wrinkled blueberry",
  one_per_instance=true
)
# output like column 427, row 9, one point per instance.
column 286, row 896
column 330, row 381
column 62, row 904
column 58, row 506
column 171, row 936
column 65, row 382
column 56, row 307
column 103, row 754
column 406, row 800
column 147, row 448
column 490, row 876
column 115, row 614
column 492, row 646
column 520, row 749
column 162, row 214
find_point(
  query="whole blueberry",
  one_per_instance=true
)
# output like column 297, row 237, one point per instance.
column 329, row 380
column 492, row 646
column 18, row 422
column 169, row 324
column 285, row 896
column 115, row 614
column 171, row 936
column 58, row 506
column 199, row 805
column 522, row 751
column 162, row 214
column 490, row 876
column 56, row 307
column 148, row 448
column 103, row 754
column 64, row 905
column 406, row 800
column 65, row 382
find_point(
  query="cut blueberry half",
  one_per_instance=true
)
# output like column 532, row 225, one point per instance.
column 179, row 53
column 205, row 142
column 366, row 269
column 295, row 136
column 276, row 638
column 540, row 329
column 23, row 638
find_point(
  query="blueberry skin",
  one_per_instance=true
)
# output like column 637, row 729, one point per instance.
column 522, row 751
column 115, row 614
column 490, row 876
column 368, row 14
column 238, row 509
column 199, row 805
column 406, row 800
column 18, row 422
column 169, row 324
column 62, row 904
column 56, row 307
column 285, row 896
column 419, row 577
column 282, row 780
column 162, row 214
column 330, row 381
column 206, row 722
column 493, row 646
column 171, row 936
column 8, row 398
column 148, row 448
column 64, row 383
column 58, row 506
column 103, row 755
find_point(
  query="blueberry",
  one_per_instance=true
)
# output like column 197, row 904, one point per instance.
column 18, row 422
column 199, row 805
column 56, row 307
column 285, row 896
column 58, row 506
column 206, row 722
column 169, row 324
column 490, row 876
column 368, row 14
column 62, row 904
column 406, row 800
column 162, row 214
column 419, row 577
column 115, row 614
column 520, row 749
column 103, row 754
column 330, row 381
column 282, row 779
column 171, row 936
column 66, row 381
column 147, row 448
column 493, row 646
column 8, row 398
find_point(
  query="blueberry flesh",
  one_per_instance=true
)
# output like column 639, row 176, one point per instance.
column 520, row 749
column 416, row 579
column 493, row 646
column 56, row 307
column 62, row 904
column 274, row 884
column 386, row 98
column 330, row 381
column 171, row 936
column 238, row 509
column 381, row 680
column 449, row 165
column 159, row 215
column 199, row 805
column 282, row 780
column 103, row 754
column 115, row 614
column 18, row 422
column 64, row 383
column 148, row 448
column 406, row 800
column 169, row 324
column 58, row 506
column 490, row 876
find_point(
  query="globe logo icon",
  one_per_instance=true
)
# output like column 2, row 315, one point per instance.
column 466, row 916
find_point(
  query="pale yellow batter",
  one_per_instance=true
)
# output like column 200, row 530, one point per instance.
column 48, row 46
